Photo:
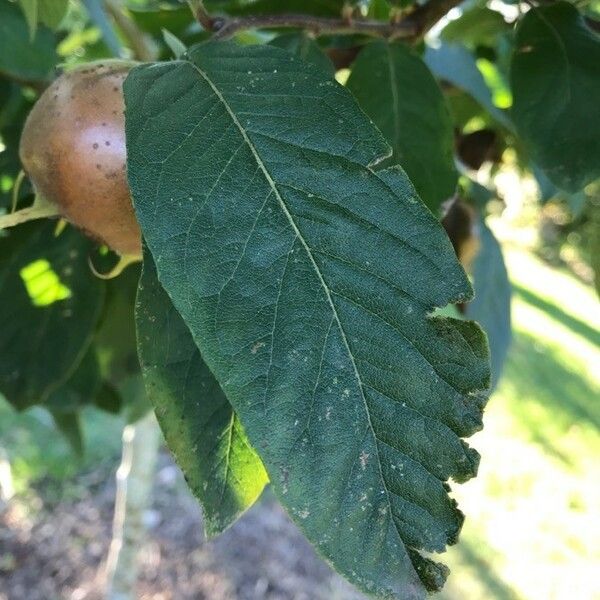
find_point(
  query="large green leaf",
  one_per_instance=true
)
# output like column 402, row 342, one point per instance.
column 491, row 305
column 21, row 57
column 397, row 90
column 307, row 281
column 200, row 427
column 555, row 79
column 50, row 306
column 305, row 48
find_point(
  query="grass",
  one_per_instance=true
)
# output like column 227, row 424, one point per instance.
column 36, row 450
column 532, row 527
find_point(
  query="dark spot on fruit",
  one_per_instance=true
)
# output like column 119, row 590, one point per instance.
column 107, row 143
column 95, row 146
column 103, row 124
column 98, row 166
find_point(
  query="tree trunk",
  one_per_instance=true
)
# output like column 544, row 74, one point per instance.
column 134, row 489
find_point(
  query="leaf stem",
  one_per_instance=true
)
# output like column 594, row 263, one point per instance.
column 40, row 209
column 201, row 14
column 411, row 27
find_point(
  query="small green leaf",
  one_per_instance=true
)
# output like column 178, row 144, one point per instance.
column 200, row 427
column 491, row 305
column 476, row 27
column 177, row 47
column 69, row 424
column 305, row 48
column 52, row 12
column 45, row 331
column 307, row 281
column 397, row 90
column 380, row 9
column 555, row 79
column 21, row 57
column 49, row 12
column 30, row 10
column 175, row 19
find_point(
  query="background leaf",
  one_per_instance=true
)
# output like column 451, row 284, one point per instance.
column 457, row 65
column 491, row 304
column 52, row 12
column 396, row 89
column 20, row 57
column 30, row 10
column 557, row 109
column 477, row 26
column 201, row 429
column 49, row 312
column 306, row 280
column 66, row 402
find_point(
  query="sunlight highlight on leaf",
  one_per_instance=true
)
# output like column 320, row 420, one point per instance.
column 43, row 285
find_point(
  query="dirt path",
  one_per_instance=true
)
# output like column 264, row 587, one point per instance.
column 55, row 551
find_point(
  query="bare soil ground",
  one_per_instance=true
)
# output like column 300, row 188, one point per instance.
column 55, row 550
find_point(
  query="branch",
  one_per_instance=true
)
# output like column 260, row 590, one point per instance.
column 411, row 28
column 201, row 14
column 316, row 25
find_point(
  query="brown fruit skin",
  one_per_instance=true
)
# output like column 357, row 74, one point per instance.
column 73, row 150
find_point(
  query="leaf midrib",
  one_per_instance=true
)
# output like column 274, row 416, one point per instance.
column 311, row 258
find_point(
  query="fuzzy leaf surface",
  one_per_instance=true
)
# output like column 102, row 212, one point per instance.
column 306, row 280
column 198, row 422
